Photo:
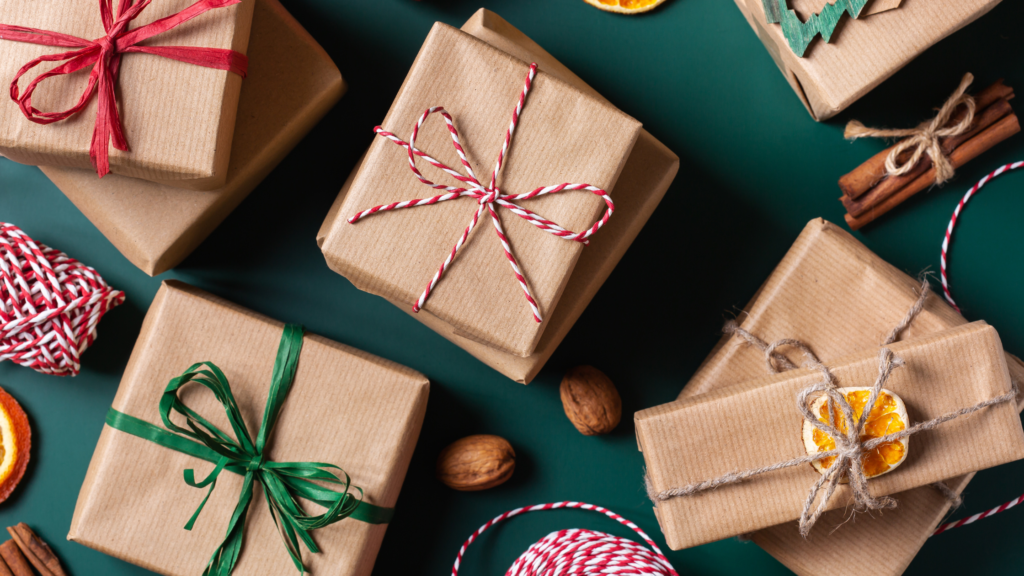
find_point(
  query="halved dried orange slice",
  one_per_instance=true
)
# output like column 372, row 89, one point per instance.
column 15, row 444
column 889, row 415
column 626, row 6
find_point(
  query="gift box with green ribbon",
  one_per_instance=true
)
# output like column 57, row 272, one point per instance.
column 239, row 445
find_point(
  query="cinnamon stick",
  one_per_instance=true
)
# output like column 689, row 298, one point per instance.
column 4, row 570
column 38, row 552
column 14, row 560
column 870, row 173
column 970, row 150
column 893, row 184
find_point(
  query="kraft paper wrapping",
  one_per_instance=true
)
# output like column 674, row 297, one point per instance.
column 178, row 118
column 649, row 170
column 565, row 134
column 833, row 293
column 346, row 407
column 292, row 84
column 863, row 53
column 756, row 424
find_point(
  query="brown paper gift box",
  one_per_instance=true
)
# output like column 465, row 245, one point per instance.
column 564, row 135
column 756, row 424
column 178, row 118
column 646, row 176
column 832, row 292
column 292, row 84
column 346, row 407
column 864, row 52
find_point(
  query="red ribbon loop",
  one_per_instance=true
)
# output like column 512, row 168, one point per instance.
column 104, row 56
column 488, row 198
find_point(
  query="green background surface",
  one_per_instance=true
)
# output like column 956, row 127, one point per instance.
column 755, row 168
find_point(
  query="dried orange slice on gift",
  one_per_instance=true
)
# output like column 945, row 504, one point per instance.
column 888, row 416
column 15, row 443
column 626, row 6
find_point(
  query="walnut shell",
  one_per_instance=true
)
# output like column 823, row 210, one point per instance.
column 476, row 463
column 590, row 400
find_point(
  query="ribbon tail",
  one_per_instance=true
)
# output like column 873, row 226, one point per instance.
column 224, row 559
column 210, row 480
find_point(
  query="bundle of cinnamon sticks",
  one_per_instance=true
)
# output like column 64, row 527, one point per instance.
column 869, row 193
column 25, row 550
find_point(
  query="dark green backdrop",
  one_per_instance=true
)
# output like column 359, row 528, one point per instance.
column 755, row 168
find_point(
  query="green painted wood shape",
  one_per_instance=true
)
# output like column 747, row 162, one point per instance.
column 799, row 34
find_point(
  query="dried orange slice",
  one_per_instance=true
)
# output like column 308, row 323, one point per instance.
column 626, row 6
column 889, row 415
column 15, row 444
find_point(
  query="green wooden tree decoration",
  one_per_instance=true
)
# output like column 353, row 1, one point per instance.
column 799, row 34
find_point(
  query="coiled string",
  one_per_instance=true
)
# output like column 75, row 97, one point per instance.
column 577, row 552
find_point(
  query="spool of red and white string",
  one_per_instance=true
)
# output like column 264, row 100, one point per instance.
column 578, row 552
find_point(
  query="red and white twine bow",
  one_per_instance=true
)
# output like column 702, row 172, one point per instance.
column 487, row 197
column 579, row 552
column 104, row 55
column 50, row 304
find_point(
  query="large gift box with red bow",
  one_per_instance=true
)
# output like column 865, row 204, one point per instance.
column 291, row 84
column 523, row 189
column 138, row 88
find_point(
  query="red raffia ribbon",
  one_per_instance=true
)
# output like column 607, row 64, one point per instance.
column 486, row 197
column 104, row 55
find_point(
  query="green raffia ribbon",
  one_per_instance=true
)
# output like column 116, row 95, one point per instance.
column 799, row 34
column 282, row 482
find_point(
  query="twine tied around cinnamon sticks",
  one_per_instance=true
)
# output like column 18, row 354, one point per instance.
column 850, row 449
column 926, row 138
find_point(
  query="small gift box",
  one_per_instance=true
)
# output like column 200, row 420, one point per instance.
column 479, row 304
column 830, row 291
column 736, row 460
column 325, row 430
column 162, row 94
column 861, row 54
column 292, row 83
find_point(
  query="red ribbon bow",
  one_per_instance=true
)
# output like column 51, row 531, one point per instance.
column 487, row 197
column 104, row 55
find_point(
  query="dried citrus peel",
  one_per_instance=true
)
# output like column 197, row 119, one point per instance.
column 889, row 415
column 15, row 444
column 625, row 6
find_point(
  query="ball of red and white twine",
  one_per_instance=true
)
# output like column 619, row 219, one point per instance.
column 578, row 552
column 50, row 304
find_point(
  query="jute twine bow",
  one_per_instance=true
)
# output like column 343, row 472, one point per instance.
column 926, row 138
column 487, row 197
column 850, row 449
column 283, row 483
column 104, row 55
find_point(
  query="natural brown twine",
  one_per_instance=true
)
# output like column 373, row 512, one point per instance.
column 926, row 138
column 849, row 449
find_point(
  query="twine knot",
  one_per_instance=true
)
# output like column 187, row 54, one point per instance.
column 488, row 198
column 256, row 463
column 491, row 196
column 926, row 138
column 104, row 56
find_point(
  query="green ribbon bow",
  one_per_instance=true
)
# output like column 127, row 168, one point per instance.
column 282, row 482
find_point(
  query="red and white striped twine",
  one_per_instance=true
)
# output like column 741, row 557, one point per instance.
column 50, row 304
column 579, row 552
column 956, row 215
column 486, row 197
column 979, row 516
column 949, row 296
